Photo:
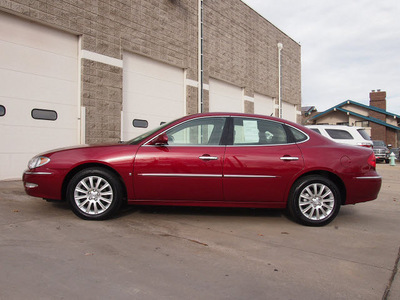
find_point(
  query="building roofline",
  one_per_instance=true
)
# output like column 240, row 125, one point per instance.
column 265, row 19
column 374, row 120
column 358, row 104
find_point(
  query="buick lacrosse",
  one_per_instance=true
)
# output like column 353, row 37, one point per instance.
column 212, row 159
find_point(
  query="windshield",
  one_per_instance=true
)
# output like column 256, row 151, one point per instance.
column 145, row 135
column 379, row 143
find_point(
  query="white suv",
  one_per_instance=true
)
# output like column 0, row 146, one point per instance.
column 343, row 134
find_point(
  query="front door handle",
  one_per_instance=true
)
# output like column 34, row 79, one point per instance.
column 289, row 158
column 208, row 157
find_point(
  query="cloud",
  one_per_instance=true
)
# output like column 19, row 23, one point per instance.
column 348, row 47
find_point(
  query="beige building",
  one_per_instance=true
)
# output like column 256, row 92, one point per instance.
column 94, row 71
column 380, row 124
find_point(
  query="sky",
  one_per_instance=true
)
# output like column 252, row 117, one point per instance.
column 348, row 48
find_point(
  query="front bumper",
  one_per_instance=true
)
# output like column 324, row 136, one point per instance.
column 43, row 184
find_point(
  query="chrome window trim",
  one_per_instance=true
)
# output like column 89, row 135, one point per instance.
column 261, row 145
column 226, row 117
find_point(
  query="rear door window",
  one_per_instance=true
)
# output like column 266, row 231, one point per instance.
column 249, row 131
column 339, row 134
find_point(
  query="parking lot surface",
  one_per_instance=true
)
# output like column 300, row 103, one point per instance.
column 46, row 252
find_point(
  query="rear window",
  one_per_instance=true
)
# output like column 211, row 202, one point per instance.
column 364, row 134
column 316, row 130
column 298, row 135
column 338, row 134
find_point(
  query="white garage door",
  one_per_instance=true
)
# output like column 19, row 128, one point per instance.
column 153, row 93
column 38, row 92
column 288, row 111
column 264, row 105
column 225, row 97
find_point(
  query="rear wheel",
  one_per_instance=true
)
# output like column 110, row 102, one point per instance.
column 314, row 201
column 94, row 194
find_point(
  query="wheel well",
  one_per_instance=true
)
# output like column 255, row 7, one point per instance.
column 333, row 177
column 77, row 169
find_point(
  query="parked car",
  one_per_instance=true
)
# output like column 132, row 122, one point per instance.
column 214, row 159
column 381, row 151
column 343, row 134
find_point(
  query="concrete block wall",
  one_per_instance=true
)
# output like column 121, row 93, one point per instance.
column 240, row 47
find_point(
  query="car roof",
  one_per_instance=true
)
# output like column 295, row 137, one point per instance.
column 236, row 114
column 334, row 126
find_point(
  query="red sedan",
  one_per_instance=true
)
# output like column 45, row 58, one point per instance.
column 214, row 159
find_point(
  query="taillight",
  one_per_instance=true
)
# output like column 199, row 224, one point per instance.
column 367, row 145
column 372, row 160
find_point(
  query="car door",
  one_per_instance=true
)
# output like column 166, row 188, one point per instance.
column 260, row 162
column 187, row 168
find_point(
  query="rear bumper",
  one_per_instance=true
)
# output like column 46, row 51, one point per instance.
column 363, row 188
column 381, row 156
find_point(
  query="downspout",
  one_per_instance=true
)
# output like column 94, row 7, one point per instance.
column 200, row 56
column 280, row 47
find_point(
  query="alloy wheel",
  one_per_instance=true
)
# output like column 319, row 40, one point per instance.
column 93, row 195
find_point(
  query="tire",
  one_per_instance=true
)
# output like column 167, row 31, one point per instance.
column 314, row 201
column 94, row 194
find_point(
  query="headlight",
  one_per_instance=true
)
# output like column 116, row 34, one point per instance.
column 38, row 161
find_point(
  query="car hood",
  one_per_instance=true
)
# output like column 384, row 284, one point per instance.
column 79, row 147
column 108, row 154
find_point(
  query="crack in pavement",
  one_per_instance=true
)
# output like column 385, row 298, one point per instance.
column 394, row 272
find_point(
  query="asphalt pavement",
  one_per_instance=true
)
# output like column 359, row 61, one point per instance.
column 46, row 252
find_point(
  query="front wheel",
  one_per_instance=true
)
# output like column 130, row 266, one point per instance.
column 94, row 194
column 314, row 200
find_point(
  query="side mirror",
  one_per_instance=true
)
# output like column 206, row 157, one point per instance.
column 161, row 140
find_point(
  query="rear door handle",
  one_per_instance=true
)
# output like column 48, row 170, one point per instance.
column 289, row 158
column 208, row 157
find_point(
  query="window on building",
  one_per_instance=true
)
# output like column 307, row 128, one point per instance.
column 2, row 110
column 362, row 123
column 343, row 123
column 44, row 114
column 140, row 123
